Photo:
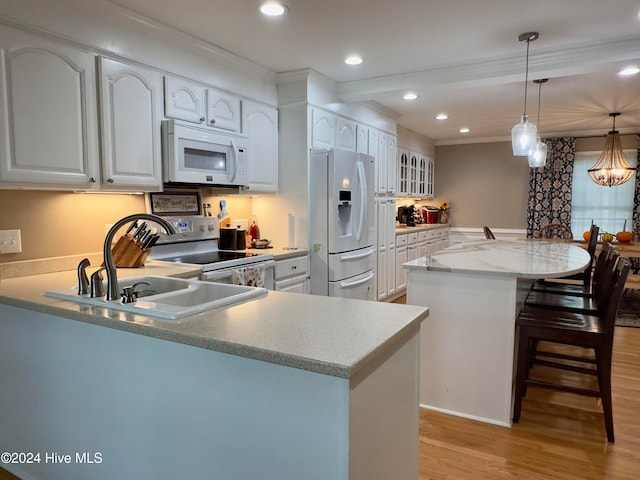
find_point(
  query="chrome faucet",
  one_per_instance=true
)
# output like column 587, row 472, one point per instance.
column 109, row 264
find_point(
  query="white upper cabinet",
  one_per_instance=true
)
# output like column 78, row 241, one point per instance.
column 323, row 131
column 261, row 127
column 131, row 109
column 415, row 174
column 48, row 131
column 346, row 135
column 362, row 139
column 223, row 110
column 184, row 100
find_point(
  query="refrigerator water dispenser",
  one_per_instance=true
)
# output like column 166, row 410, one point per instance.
column 344, row 213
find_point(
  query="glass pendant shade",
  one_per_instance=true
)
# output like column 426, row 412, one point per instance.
column 612, row 168
column 539, row 156
column 523, row 138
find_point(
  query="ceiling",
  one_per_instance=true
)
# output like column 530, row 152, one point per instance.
column 461, row 57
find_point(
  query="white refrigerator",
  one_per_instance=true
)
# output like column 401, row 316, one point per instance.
column 342, row 224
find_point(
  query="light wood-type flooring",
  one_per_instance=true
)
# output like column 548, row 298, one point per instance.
column 560, row 436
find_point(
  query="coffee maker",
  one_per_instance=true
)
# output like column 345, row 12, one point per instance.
column 406, row 215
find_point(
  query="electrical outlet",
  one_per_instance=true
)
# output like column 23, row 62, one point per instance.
column 10, row 241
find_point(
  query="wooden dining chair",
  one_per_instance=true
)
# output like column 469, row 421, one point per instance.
column 581, row 303
column 559, row 284
column 488, row 234
column 556, row 231
column 592, row 332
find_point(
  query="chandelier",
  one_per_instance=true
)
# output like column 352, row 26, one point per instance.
column 523, row 135
column 612, row 168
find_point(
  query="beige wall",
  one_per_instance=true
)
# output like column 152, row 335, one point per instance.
column 486, row 185
column 483, row 183
column 56, row 224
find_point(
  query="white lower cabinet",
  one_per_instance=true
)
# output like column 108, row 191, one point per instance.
column 292, row 275
column 410, row 246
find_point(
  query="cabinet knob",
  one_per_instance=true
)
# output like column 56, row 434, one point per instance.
column 212, row 121
column 92, row 180
column 110, row 180
column 201, row 119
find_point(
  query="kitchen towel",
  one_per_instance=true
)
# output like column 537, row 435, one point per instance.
column 250, row 276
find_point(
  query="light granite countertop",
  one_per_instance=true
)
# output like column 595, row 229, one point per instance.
column 332, row 336
column 421, row 226
column 281, row 253
column 516, row 258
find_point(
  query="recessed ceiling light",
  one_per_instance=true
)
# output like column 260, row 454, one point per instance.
column 625, row 72
column 353, row 60
column 272, row 9
column 464, row 130
column 442, row 116
column 410, row 96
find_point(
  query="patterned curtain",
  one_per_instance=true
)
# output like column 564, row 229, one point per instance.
column 550, row 187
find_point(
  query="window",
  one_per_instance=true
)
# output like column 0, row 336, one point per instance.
column 607, row 207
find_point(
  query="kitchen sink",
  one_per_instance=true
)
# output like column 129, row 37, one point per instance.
column 168, row 298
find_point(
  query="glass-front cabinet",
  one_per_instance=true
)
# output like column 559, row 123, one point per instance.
column 415, row 174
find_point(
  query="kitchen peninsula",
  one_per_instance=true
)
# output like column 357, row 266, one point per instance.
column 284, row 386
column 475, row 291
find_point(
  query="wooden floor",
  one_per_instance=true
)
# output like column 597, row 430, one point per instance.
column 560, row 436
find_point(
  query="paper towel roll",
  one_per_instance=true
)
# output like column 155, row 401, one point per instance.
column 292, row 231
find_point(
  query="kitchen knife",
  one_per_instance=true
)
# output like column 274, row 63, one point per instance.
column 152, row 241
column 147, row 242
column 145, row 237
column 138, row 230
column 131, row 227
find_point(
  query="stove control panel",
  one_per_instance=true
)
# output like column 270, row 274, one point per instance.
column 191, row 228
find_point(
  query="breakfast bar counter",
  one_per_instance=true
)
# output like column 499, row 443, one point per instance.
column 474, row 291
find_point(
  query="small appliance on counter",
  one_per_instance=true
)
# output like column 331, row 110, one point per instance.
column 406, row 215
column 431, row 214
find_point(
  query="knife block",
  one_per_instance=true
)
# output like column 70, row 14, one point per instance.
column 127, row 254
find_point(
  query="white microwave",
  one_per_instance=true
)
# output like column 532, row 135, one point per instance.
column 196, row 155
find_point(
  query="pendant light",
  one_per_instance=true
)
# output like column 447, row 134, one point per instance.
column 539, row 156
column 523, row 135
column 612, row 168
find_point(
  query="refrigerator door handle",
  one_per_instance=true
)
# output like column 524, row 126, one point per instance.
column 357, row 255
column 363, row 198
column 355, row 283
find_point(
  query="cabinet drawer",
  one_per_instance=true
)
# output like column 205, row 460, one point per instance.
column 413, row 237
column 423, row 235
column 292, row 266
column 401, row 240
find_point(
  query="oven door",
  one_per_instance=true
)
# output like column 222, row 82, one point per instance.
column 226, row 275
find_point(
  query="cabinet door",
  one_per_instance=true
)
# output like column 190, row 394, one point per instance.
column 422, row 176
column 430, row 172
column 382, row 163
column 392, row 164
column 223, row 110
column 382, row 247
column 298, row 284
column 323, row 132
column 401, row 274
column 403, row 172
column 184, row 100
column 48, row 121
column 261, row 127
column 413, row 173
column 131, row 109
column 346, row 135
column 362, row 139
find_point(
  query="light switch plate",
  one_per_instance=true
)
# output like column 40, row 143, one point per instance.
column 10, row 241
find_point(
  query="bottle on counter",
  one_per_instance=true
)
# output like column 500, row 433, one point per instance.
column 254, row 230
